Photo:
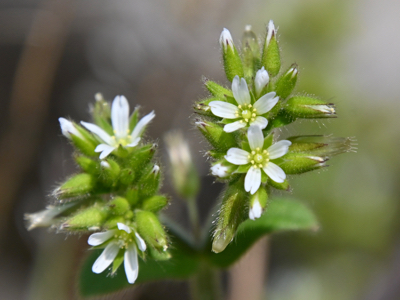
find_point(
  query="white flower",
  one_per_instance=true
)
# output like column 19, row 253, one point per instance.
column 120, row 124
column 122, row 238
column 255, row 210
column 68, row 128
column 259, row 159
column 225, row 40
column 245, row 113
column 45, row 217
column 261, row 80
column 219, row 170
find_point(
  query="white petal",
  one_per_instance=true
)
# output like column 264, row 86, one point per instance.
column 237, row 156
column 99, row 238
column 45, row 217
column 99, row 132
column 260, row 122
column 255, row 210
column 261, row 80
column 104, row 149
column 134, row 143
column 140, row 242
column 271, row 30
column 240, row 90
column 234, row 126
column 122, row 226
column 131, row 263
column 120, row 116
column 68, row 128
column 223, row 109
column 106, row 258
column 251, row 215
column 279, row 149
column 225, row 39
column 266, row 103
column 141, row 125
column 256, row 137
column 275, row 172
column 219, row 170
column 252, row 180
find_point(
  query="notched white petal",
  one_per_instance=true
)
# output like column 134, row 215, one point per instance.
column 231, row 127
column 131, row 263
column 68, row 128
column 260, row 122
column 266, row 103
column 140, row 242
column 237, row 156
column 223, row 109
column 255, row 137
column 120, row 116
column 99, row 132
column 256, row 210
column 141, row 126
column 275, row 172
column 99, row 238
column 279, row 149
column 104, row 149
column 122, row 226
column 106, row 258
column 252, row 180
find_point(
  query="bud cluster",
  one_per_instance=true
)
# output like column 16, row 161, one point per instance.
column 240, row 124
column 116, row 193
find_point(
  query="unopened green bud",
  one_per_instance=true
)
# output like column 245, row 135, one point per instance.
column 216, row 90
column 151, row 230
column 127, row 176
column 77, row 185
column 86, row 219
column 251, row 53
column 113, row 221
column 150, row 182
column 111, row 169
column 232, row 62
column 141, row 156
column 286, row 83
column 185, row 178
column 159, row 255
column 102, row 113
column 119, row 206
column 87, row 164
column 132, row 195
column 298, row 163
column 258, row 203
column 155, row 203
column 271, row 59
column 309, row 108
column 216, row 135
column 203, row 108
column 233, row 212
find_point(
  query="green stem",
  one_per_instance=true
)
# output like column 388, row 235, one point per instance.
column 206, row 284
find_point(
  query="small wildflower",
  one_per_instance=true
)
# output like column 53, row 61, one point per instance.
column 68, row 128
column 120, row 124
column 259, row 158
column 122, row 238
column 45, row 217
column 245, row 113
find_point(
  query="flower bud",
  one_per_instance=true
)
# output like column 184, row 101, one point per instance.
column 279, row 185
column 111, row 170
column 261, row 81
column 216, row 90
column 258, row 203
column 101, row 113
column 233, row 212
column 150, row 181
column 46, row 217
column 119, row 206
column 232, row 62
column 155, row 203
column 77, row 185
column 250, row 53
column 132, row 195
column 309, row 108
column 141, row 156
column 298, row 163
column 286, row 83
column 151, row 230
column 87, row 219
column 202, row 107
column 216, row 135
column 87, row 164
column 271, row 59
column 222, row 168
column 159, row 255
column 184, row 174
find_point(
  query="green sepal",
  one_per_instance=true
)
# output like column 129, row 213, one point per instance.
column 119, row 206
column 151, row 230
column 216, row 90
column 87, row 164
column 111, row 173
column 132, row 195
column 250, row 54
column 216, row 136
column 140, row 157
column 87, row 218
column 320, row 145
column 271, row 58
column 279, row 185
column 215, row 154
column 268, row 140
column 77, row 185
column 118, row 260
column 201, row 107
column 155, row 203
column 264, row 177
column 232, row 62
column 246, row 146
column 102, row 114
column 159, row 255
column 133, row 120
column 298, row 163
column 113, row 221
column 282, row 119
column 309, row 108
column 127, row 176
column 86, row 144
column 149, row 184
column 286, row 83
column 242, row 169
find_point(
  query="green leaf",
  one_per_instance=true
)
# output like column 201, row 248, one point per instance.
column 282, row 214
column 183, row 264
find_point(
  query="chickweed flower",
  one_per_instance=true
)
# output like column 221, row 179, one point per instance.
column 120, row 123
column 245, row 113
column 123, row 239
column 259, row 158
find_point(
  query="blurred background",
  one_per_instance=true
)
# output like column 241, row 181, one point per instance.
column 56, row 54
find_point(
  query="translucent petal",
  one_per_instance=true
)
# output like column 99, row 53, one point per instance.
column 223, row 109
column 275, row 172
column 237, row 156
column 141, row 125
column 99, row 132
column 266, row 103
column 279, row 149
column 106, row 258
column 122, row 226
column 240, row 90
column 120, row 116
column 131, row 263
column 252, row 180
column 260, row 122
column 234, row 126
column 104, row 149
column 256, row 137
column 99, row 238
column 140, row 242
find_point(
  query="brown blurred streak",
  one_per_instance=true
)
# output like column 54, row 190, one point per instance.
column 30, row 97
column 248, row 276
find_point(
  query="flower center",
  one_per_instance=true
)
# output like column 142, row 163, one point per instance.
column 123, row 141
column 259, row 158
column 246, row 112
column 123, row 238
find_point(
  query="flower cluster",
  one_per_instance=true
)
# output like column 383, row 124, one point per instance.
column 241, row 124
column 116, row 194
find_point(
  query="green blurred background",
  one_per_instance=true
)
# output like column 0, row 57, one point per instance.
column 55, row 55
